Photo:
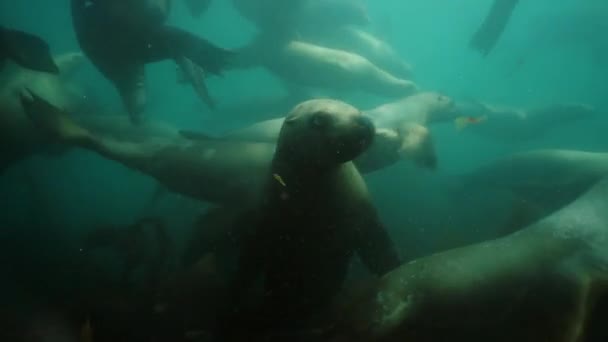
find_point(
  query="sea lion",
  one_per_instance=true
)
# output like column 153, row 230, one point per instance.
column 404, row 141
column 27, row 50
column 364, row 43
column 140, row 37
column 423, row 108
column 312, row 65
column 119, row 127
column 18, row 137
column 226, row 172
column 315, row 214
column 513, row 125
column 537, row 284
column 486, row 37
column 546, row 178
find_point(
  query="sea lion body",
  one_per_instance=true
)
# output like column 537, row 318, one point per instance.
column 363, row 43
column 422, row 108
column 19, row 138
column 511, row 125
column 543, row 179
column 315, row 215
column 140, row 36
column 312, row 65
column 221, row 171
column 405, row 141
column 27, row 50
column 537, row 284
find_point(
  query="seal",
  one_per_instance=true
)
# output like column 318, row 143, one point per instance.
column 27, row 50
column 315, row 215
column 512, row 125
column 407, row 141
column 544, row 180
column 537, row 284
column 359, row 41
column 495, row 22
column 424, row 108
column 140, row 37
column 312, row 65
column 225, row 171
column 18, row 137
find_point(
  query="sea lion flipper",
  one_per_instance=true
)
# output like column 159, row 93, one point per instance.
column 195, row 75
column 493, row 26
column 200, row 51
column 54, row 121
column 131, row 87
column 27, row 50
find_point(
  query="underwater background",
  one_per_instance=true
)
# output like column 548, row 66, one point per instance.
column 551, row 52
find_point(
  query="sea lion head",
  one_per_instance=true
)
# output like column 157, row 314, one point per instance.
column 440, row 107
column 324, row 132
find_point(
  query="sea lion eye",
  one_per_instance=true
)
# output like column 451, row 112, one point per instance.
column 321, row 119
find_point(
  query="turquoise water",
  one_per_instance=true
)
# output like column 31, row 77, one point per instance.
column 549, row 54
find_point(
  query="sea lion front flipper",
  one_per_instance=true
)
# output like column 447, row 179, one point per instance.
column 130, row 84
column 27, row 50
column 52, row 120
column 70, row 62
column 493, row 26
column 196, row 76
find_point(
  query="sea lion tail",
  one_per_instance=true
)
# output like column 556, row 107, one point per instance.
column 203, row 53
column 54, row 121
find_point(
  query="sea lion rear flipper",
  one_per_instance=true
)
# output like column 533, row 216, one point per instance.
column 193, row 135
column 27, row 50
column 200, row 51
column 494, row 24
column 196, row 76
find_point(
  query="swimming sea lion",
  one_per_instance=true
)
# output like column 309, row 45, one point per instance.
column 27, row 50
column 315, row 214
column 535, row 285
column 119, row 127
column 486, row 37
column 403, row 141
column 18, row 137
column 513, row 125
column 423, row 108
column 226, row 172
column 139, row 37
column 364, row 43
column 548, row 179
column 311, row 65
